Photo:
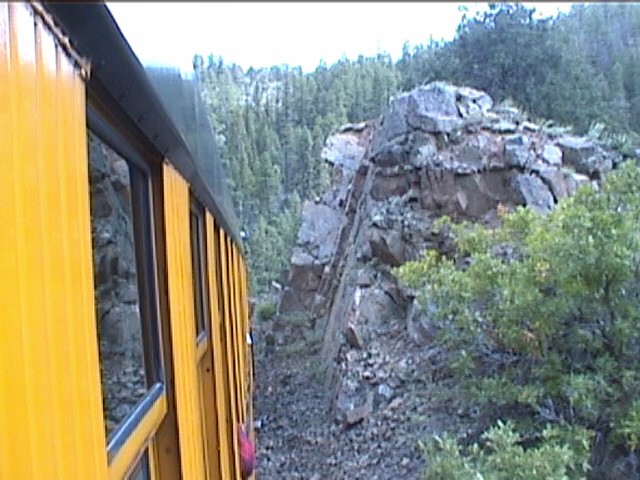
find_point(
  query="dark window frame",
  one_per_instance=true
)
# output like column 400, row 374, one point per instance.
column 200, row 277
column 141, row 468
column 142, row 205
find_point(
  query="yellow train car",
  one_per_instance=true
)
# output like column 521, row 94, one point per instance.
column 124, row 327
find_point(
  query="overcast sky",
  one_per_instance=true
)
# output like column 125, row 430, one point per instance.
column 299, row 34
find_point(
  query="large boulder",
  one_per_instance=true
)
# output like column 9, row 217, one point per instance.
column 562, row 182
column 479, row 193
column 477, row 151
column 375, row 306
column 388, row 246
column 472, row 102
column 303, row 282
column 584, row 155
column 534, row 193
column 421, row 325
column 434, row 108
column 552, row 155
column 344, row 150
column 517, row 151
column 318, row 232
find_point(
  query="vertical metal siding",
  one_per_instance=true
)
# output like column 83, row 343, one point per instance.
column 51, row 423
column 239, row 329
column 247, row 320
column 225, row 424
column 235, row 321
column 183, row 332
column 229, row 345
column 244, row 325
column 250, row 373
column 245, row 330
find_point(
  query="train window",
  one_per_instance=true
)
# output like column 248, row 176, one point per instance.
column 141, row 470
column 198, row 261
column 126, row 311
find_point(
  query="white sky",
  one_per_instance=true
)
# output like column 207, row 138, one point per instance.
column 274, row 33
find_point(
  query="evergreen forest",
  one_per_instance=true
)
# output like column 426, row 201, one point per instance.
column 580, row 70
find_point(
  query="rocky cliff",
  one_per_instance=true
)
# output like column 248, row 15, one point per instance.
column 440, row 149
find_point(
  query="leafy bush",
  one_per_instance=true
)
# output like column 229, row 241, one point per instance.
column 501, row 457
column 266, row 310
column 625, row 143
column 628, row 428
column 541, row 313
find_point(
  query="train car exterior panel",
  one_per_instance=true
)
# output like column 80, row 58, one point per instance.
column 218, row 339
column 232, row 317
column 228, row 341
column 243, row 322
column 248, row 372
column 247, row 322
column 182, row 319
column 240, row 339
column 204, row 354
column 50, row 402
column 65, row 409
column 239, row 327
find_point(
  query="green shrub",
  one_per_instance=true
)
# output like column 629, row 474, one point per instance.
column 502, row 457
column 624, row 142
column 628, row 427
column 542, row 312
column 266, row 310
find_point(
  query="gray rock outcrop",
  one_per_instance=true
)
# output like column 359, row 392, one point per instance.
column 440, row 149
column 584, row 156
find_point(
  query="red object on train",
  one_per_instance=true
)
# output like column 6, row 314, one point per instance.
column 247, row 453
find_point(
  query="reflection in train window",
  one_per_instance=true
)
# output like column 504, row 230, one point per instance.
column 119, row 200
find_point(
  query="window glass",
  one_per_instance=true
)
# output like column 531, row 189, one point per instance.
column 141, row 470
column 198, row 268
column 124, row 375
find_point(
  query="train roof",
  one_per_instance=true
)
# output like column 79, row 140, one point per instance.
column 118, row 75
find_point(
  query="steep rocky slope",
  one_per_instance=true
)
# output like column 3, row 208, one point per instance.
column 349, row 378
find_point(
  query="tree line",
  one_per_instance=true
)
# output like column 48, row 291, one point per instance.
column 578, row 69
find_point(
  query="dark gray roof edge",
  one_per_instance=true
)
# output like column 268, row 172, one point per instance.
column 95, row 35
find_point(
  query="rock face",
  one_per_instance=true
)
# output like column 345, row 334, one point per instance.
column 584, row 156
column 316, row 243
column 439, row 150
column 325, row 224
column 434, row 108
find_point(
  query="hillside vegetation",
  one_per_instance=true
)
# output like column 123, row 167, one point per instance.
column 581, row 69
column 540, row 316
